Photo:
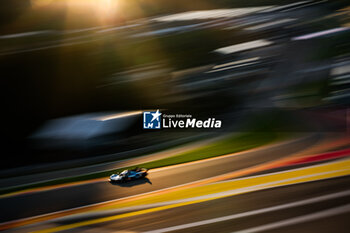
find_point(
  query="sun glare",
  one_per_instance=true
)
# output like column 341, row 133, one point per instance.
column 101, row 6
column 102, row 10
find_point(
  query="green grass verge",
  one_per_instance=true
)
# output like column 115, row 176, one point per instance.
column 227, row 145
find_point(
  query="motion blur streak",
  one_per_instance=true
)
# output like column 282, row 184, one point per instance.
column 243, row 46
column 321, row 33
column 117, row 115
column 254, row 212
column 319, row 157
column 237, row 62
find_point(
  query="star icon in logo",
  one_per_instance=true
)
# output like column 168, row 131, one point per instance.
column 156, row 115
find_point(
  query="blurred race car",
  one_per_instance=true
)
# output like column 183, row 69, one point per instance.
column 128, row 175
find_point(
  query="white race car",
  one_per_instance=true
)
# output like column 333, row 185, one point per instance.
column 128, row 175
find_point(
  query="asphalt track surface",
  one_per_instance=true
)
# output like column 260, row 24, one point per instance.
column 294, row 218
column 37, row 203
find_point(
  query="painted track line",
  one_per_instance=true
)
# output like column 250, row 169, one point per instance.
column 254, row 212
column 297, row 220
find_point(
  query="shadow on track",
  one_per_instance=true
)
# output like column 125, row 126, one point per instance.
column 133, row 182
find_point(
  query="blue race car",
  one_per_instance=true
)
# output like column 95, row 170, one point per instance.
column 128, row 175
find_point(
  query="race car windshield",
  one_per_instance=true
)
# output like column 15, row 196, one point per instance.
column 124, row 172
